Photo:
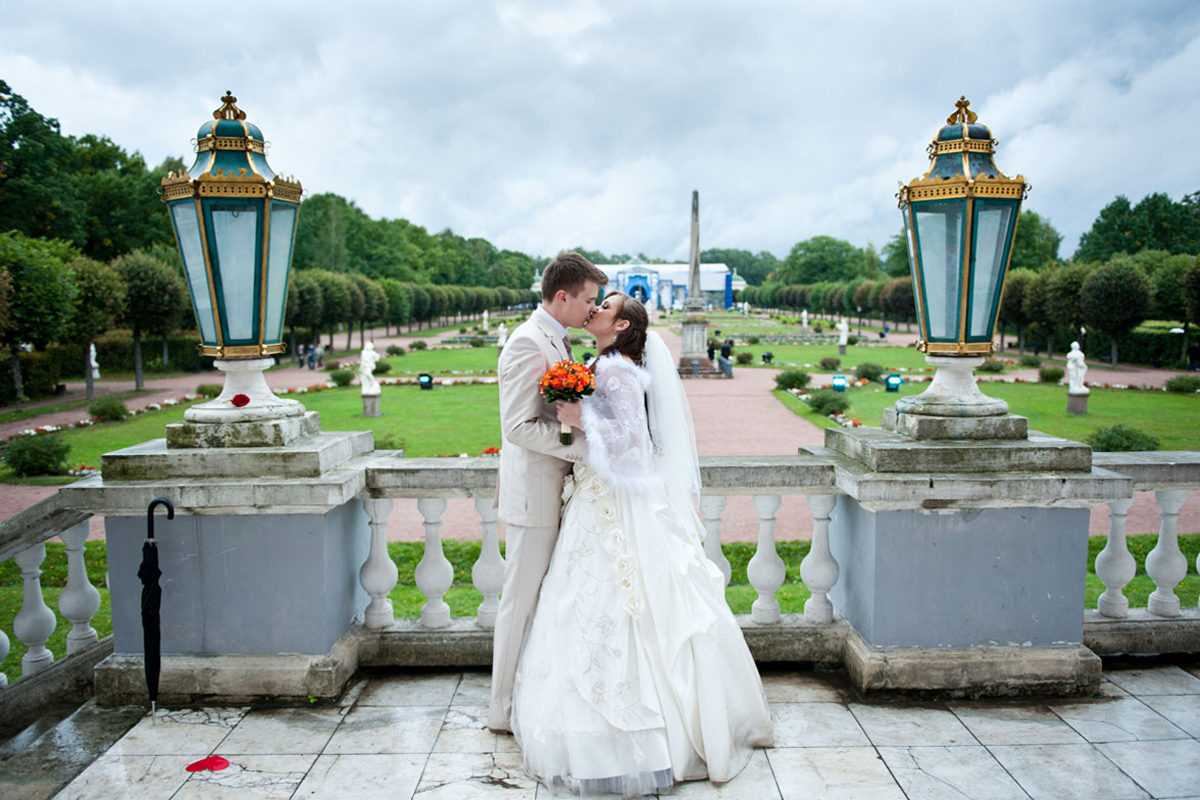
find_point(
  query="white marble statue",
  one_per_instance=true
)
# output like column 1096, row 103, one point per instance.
column 485, row 321
column 843, row 332
column 1076, row 371
column 501, row 335
column 366, row 370
column 93, row 363
column 804, row 319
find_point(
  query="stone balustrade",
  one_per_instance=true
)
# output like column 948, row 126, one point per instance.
column 437, row 638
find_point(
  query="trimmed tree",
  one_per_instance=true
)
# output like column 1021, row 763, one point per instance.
column 1114, row 299
column 1012, row 309
column 304, row 305
column 154, row 301
column 99, row 303
column 335, row 300
column 1168, row 285
column 41, row 296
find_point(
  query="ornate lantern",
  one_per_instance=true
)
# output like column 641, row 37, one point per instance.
column 960, row 218
column 235, row 224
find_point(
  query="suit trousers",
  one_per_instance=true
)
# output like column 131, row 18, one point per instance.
column 527, row 558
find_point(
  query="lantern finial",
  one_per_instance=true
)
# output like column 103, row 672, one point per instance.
column 962, row 112
column 229, row 109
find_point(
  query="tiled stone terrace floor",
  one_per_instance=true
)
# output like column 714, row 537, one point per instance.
column 422, row 736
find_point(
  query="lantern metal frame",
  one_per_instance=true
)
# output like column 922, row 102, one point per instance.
column 961, row 171
column 231, row 175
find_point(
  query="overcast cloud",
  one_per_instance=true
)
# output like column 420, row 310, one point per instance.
column 545, row 125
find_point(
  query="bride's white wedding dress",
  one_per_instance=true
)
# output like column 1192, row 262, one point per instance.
column 635, row 673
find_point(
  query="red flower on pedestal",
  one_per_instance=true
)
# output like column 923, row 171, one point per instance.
column 240, row 400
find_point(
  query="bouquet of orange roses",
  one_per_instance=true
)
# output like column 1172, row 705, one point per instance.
column 567, row 381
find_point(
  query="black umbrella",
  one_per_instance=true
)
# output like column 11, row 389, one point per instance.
column 152, row 601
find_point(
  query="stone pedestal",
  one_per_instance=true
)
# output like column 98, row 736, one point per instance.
column 962, row 561
column 1077, row 404
column 260, row 566
column 841, row 349
column 371, row 405
column 695, row 343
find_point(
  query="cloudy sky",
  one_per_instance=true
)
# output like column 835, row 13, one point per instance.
column 546, row 125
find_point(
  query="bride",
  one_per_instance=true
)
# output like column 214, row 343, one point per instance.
column 635, row 674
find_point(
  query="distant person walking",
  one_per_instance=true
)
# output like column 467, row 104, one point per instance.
column 726, row 359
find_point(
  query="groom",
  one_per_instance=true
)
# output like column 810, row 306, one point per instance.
column 532, row 461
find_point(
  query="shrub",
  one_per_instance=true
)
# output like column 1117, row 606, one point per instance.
column 109, row 409
column 395, row 350
column 871, row 372
column 830, row 363
column 1050, row 374
column 792, row 379
column 991, row 365
column 752, row 340
column 1184, row 384
column 37, row 455
column 744, row 358
column 332, row 364
column 419, row 344
column 576, row 340
column 389, row 441
column 818, row 329
column 1121, row 438
column 382, row 368
column 1028, row 360
column 476, row 341
column 341, row 377
column 208, row 390
column 462, row 330
column 851, row 339
column 827, row 401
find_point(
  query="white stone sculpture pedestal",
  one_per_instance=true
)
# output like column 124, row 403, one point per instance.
column 1077, row 404
column 371, row 405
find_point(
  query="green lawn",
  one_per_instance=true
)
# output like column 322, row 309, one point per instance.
column 26, row 412
column 1173, row 418
column 808, row 356
column 446, row 421
column 470, row 361
column 464, row 600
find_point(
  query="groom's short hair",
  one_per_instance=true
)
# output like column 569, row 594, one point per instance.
column 569, row 272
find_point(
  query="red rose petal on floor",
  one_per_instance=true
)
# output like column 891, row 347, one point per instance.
column 240, row 400
column 210, row 763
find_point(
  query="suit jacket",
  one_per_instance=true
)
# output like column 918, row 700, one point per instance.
column 533, row 462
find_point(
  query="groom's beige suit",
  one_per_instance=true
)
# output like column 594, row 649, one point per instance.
column 533, row 464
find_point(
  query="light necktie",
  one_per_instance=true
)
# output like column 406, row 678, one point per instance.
column 567, row 347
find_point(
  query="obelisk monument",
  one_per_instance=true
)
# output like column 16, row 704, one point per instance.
column 693, row 361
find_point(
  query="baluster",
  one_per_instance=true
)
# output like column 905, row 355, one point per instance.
column 1115, row 566
column 712, row 506
column 488, row 572
column 79, row 600
column 1165, row 563
column 766, row 570
column 434, row 574
column 3, row 655
column 378, row 573
column 819, row 569
column 35, row 621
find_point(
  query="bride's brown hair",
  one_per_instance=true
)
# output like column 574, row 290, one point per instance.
column 630, row 342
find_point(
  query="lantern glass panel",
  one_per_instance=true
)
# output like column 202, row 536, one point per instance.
column 993, row 219
column 234, row 229
column 187, row 233
column 283, row 222
column 940, row 239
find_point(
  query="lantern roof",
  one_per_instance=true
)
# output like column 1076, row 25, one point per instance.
column 231, row 161
column 962, row 163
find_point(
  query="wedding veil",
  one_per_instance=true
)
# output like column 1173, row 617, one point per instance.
column 671, row 431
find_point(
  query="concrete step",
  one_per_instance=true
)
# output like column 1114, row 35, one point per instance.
column 14, row 740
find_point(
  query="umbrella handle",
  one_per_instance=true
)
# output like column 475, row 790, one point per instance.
column 155, row 503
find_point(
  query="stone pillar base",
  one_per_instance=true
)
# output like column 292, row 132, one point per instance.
column 371, row 405
column 230, row 679
column 1077, row 404
column 972, row 671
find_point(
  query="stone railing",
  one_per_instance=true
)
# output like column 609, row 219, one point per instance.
column 1172, row 476
column 23, row 539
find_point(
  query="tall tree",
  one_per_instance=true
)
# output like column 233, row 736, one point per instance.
column 1036, row 243
column 895, row 256
column 1114, row 299
column 1012, row 307
column 1116, row 230
column 304, row 305
column 753, row 267
column 1168, row 285
column 822, row 258
column 99, row 303
column 155, row 299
